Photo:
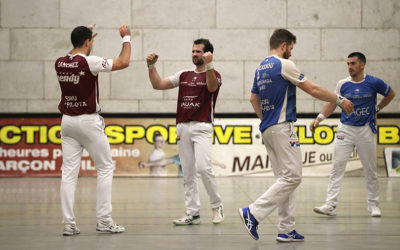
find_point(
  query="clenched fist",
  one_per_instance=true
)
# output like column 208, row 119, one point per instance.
column 151, row 59
column 207, row 57
column 124, row 30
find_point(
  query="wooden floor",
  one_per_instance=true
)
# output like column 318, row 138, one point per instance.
column 30, row 216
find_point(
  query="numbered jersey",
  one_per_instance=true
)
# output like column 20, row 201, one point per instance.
column 363, row 96
column 78, row 78
column 195, row 102
column 275, row 82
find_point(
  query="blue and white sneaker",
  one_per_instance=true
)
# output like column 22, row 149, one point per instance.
column 250, row 223
column 292, row 236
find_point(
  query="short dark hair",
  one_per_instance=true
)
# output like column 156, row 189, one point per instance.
column 79, row 35
column 156, row 134
column 208, row 47
column 280, row 36
column 359, row 55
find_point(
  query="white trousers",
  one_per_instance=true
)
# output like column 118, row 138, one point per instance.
column 195, row 153
column 77, row 133
column 284, row 151
column 348, row 137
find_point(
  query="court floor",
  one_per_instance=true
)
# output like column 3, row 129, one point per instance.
column 30, row 216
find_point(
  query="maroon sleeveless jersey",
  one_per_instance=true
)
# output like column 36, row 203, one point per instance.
column 79, row 87
column 195, row 102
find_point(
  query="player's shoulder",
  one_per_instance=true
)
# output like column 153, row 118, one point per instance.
column 344, row 80
column 184, row 72
column 372, row 79
column 272, row 59
column 93, row 58
column 270, row 62
column 61, row 58
column 286, row 63
column 187, row 71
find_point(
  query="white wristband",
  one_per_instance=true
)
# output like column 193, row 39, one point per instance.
column 209, row 66
column 339, row 100
column 321, row 116
column 126, row 39
column 151, row 66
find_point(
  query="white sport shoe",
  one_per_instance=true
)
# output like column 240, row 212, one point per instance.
column 70, row 230
column 218, row 214
column 109, row 227
column 375, row 211
column 187, row 220
column 326, row 209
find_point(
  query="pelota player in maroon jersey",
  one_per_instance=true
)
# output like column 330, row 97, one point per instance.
column 198, row 91
column 83, row 128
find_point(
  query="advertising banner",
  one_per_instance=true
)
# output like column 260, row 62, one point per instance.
column 392, row 158
column 32, row 147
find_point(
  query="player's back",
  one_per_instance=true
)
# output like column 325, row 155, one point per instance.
column 78, row 85
column 277, row 94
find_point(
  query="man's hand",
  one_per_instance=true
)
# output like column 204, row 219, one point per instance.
column 91, row 27
column 347, row 106
column 141, row 164
column 151, row 59
column 207, row 57
column 124, row 30
column 314, row 124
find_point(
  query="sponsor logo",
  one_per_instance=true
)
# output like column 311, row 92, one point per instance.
column 266, row 66
column 67, row 65
column 189, row 97
column 70, row 78
column 190, row 105
column 361, row 112
column 104, row 63
column 301, row 77
column 188, row 102
column 75, row 104
column 340, row 137
column 266, row 106
column 264, row 81
column 295, row 143
column 70, row 98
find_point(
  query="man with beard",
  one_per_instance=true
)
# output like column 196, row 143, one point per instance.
column 198, row 91
column 273, row 99
column 82, row 127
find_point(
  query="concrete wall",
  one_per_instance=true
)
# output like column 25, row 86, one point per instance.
column 33, row 33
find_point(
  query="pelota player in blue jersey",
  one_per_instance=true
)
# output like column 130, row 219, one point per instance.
column 273, row 99
column 356, row 129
